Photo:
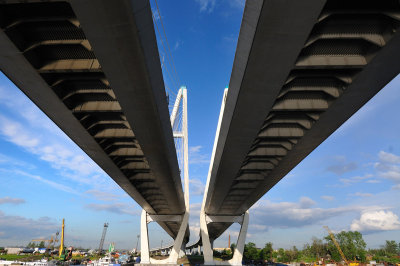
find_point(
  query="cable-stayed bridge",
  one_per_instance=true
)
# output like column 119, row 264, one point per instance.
column 301, row 69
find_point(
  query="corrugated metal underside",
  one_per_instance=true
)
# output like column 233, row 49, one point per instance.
column 345, row 38
column 49, row 36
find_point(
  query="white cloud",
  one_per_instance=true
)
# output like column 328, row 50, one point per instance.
column 53, row 184
column 195, row 148
column 9, row 200
column 102, row 195
column 341, row 166
column 386, row 157
column 372, row 221
column 294, row 214
column 373, row 181
column 359, row 194
column 328, row 198
column 196, row 157
column 306, row 202
column 24, row 229
column 73, row 163
column 28, row 127
column 355, row 179
column 16, row 134
column 388, row 167
column 206, row 5
column 196, row 187
column 118, row 208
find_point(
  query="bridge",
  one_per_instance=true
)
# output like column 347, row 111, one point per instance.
column 301, row 69
column 93, row 67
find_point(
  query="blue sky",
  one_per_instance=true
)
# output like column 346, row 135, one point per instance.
column 351, row 181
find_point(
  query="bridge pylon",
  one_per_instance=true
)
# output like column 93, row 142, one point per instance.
column 146, row 218
column 205, row 219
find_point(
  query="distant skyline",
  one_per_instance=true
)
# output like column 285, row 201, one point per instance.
column 350, row 182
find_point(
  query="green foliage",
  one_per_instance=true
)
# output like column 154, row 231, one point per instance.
column 282, row 255
column 351, row 243
column 266, row 252
column 391, row 247
column 250, row 251
column 233, row 246
column 41, row 244
column 31, row 245
column 383, row 259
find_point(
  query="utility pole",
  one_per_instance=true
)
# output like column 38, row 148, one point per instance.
column 103, row 236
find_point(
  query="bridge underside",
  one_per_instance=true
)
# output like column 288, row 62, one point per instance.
column 93, row 67
column 301, row 69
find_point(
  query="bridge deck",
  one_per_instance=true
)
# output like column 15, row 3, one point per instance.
column 301, row 69
column 93, row 67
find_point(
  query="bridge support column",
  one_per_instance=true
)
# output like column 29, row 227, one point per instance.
column 207, row 248
column 178, row 242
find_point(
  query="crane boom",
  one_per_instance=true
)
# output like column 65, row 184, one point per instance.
column 103, row 236
column 336, row 244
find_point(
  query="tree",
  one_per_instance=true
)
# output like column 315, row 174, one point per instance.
column 41, row 244
column 233, row 246
column 266, row 252
column 318, row 248
column 250, row 251
column 351, row 243
column 391, row 247
column 282, row 255
column 31, row 245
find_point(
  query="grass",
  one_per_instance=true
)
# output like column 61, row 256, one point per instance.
column 29, row 257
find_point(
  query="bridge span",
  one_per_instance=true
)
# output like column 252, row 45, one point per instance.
column 301, row 69
column 93, row 67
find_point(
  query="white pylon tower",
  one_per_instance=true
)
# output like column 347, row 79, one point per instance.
column 182, row 134
column 179, row 124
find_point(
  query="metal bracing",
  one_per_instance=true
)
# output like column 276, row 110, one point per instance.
column 179, row 245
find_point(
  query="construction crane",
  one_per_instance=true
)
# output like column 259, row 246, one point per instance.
column 51, row 240
column 103, row 236
column 60, row 250
column 336, row 244
column 56, row 238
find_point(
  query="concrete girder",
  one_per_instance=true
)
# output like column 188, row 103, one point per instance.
column 329, row 59
column 292, row 101
column 282, row 130
column 136, row 165
column 71, row 65
column 301, row 119
column 115, row 133
column 332, row 87
column 258, row 166
column 53, row 43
